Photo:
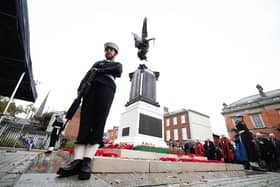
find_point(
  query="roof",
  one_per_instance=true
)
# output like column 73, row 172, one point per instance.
column 264, row 99
column 184, row 110
column 256, row 98
column 14, row 51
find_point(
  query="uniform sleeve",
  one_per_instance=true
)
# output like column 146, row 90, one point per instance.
column 54, row 123
column 84, row 80
column 113, row 68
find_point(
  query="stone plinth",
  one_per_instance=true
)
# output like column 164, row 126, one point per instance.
column 141, row 122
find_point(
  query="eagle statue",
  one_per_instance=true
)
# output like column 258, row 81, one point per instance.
column 142, row 44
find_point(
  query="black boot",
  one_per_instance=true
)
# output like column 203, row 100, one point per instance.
column 70, row 169
column 48, row 152
column 85, row 170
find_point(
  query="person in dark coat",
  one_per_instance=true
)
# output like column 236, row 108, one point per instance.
column 172, row 144
column 276, row 151
column 188, row 146
column 95, row 108
column 248, row 140
column 265, row 151
column 218, row 153
column 209, row 149
column 57, row 125
column 240, row 150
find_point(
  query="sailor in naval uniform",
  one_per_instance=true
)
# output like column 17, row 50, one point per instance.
column 57, row 125
column 95, row 108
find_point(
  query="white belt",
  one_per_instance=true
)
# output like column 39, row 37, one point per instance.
column 110, row 76
column 57, row 127
column 240, row 132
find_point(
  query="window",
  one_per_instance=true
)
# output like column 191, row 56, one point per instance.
column 183, row 120
column 167, row 135
column 184, row 133
column 175, row 121
column 175, row 134
column 257, row 120
column 167, row 122
column 125, row 131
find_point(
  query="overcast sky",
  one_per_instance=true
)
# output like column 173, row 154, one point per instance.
column 207, row 52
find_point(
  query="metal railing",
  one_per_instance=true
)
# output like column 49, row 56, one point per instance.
column 15, row 133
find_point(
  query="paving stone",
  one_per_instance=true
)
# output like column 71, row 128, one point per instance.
column 49, row 163
column 258, row 180
column 47, row 179
column 13, row 165
column 7, row 184
column 180, row 179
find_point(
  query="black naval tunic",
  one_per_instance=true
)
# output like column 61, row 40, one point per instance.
column 97, row 102
column 58, row 123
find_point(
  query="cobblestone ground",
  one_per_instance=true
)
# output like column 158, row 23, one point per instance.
column 13, row 164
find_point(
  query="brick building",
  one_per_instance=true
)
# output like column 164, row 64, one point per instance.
column 261, row 112
column 112, row 134
column 186, row 124
column 71, row 130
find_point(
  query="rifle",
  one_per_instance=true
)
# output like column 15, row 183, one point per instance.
column 76, row 103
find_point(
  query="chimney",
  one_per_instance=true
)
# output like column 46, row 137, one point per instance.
column 165, row 110
column 225, row 105
column 260, row 89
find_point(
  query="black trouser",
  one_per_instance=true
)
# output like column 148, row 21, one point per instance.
column 95, row 109
column 54, row 137
column 210, row 156
column 250, row 148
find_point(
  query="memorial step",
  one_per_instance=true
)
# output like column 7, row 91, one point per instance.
column 120, row 165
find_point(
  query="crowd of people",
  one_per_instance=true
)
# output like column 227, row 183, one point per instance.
column 256, row 152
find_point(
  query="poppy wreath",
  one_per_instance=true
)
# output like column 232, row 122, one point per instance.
column 177, row 153
column 102, row 153
column 193, row 155
column 129, row 146
column 216, row 161
column 71, row 151
column 169, row 159
column 111, row 146
column 99, row 153
column 119, row 146
column 196, row 160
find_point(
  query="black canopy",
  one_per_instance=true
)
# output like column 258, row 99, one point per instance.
column 14, row 50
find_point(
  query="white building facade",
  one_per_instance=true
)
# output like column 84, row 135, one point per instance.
column 183, row 124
